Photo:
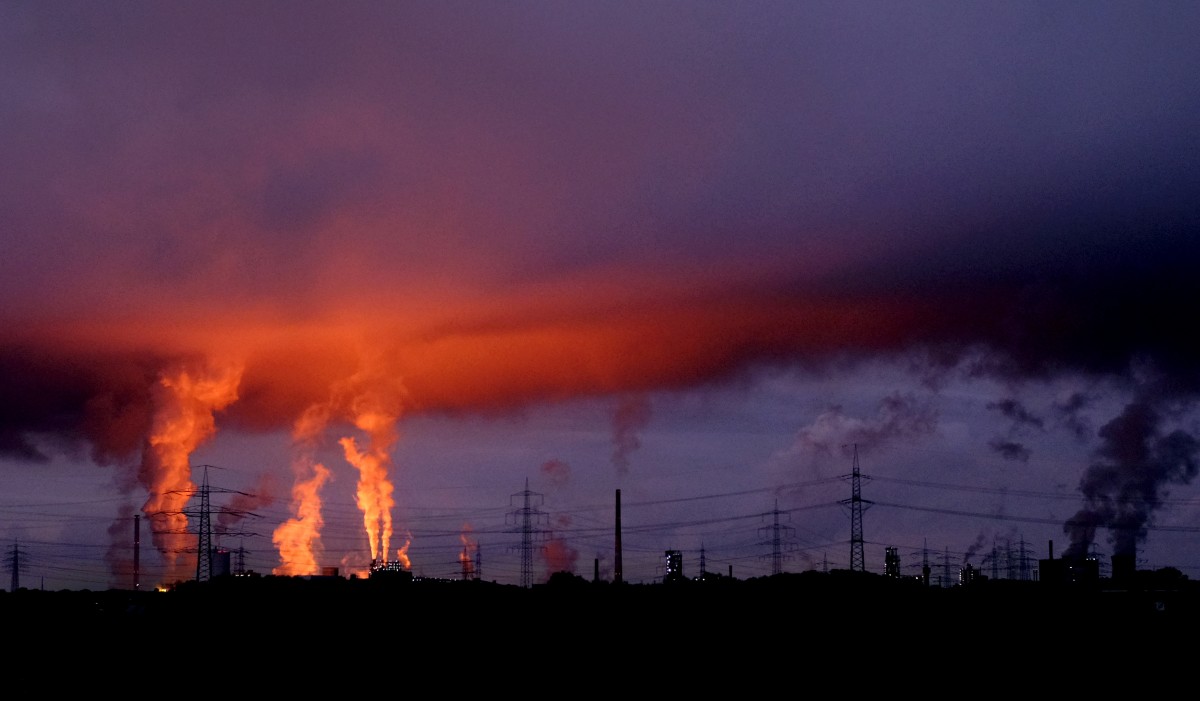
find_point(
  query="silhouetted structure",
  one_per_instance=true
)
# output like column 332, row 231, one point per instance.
column 891, row 562
column 674, row 567
column 776, row 532
column 204, row 549
column 617, row 557
column 857, row 504
column 528, row 516
column 1069, row 571
column 137, row 551
column 16, row 565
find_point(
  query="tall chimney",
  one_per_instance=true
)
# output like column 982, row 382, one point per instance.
column 137, row 551
column 617, row 559
column 1124, row 567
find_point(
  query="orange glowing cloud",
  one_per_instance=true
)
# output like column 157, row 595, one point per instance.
column 559, row 556
column 373, row 403
column 298, row 538
column 557, row 553
column 163, row 381
column 402, row 554
column 185, row 400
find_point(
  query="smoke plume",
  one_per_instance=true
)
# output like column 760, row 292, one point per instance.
column 1125, row 486
column 631, row 416
column 185, row 401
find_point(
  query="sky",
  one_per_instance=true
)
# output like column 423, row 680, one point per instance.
column 432, row 283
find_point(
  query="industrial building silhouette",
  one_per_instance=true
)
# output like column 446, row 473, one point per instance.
column 1067, row 589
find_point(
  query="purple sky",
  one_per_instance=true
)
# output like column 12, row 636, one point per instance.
column 409, row 256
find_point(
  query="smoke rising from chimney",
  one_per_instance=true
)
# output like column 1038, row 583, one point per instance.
column 1125, row 486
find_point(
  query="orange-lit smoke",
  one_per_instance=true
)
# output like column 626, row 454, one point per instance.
column 466, row 557
column 402, row 554
column 556, row 471
column 374, row 495
column 375, row 409
column 299, row 538
column 184, row 401
column 559, row 556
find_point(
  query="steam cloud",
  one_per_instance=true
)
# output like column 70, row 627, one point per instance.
column 631, row 416
column 1125, row 486
column 898, row 417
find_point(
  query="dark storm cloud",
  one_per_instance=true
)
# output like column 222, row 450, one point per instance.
column 61, row 399
column 1013, row 182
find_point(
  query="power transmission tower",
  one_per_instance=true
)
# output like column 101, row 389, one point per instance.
column 527, row 518
column 204, row 549
column 777, row 534
column 946, row 569
column 15, row 565
column 857, row 505
column 1024, row 568
column 239, row 568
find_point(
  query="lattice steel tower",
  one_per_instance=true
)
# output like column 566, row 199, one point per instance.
column 204, row 549
column 204, row 546
column 13, row 562
column 777, row 534
column 529, row 517
column 857, row 505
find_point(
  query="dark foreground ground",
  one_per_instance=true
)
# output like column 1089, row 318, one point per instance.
column 838, row 624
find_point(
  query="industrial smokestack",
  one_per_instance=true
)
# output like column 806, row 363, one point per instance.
column 617, row 559
column 1124, row 567
column 1051, row 550
column 137, row 550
